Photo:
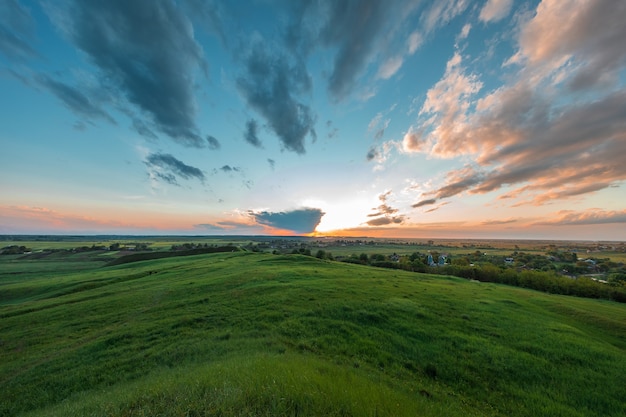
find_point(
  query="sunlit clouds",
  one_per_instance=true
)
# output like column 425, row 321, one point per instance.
column 450, row 118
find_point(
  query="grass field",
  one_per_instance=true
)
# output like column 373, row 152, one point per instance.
column 253, row 334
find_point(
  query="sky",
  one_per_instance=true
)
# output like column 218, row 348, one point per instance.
column 380, row 118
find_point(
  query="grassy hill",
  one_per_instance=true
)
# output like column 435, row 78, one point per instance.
column 249, row 334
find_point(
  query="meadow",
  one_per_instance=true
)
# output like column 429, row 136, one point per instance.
column 256, row 334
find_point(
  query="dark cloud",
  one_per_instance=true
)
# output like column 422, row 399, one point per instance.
column 353, row 26
column 16, row 31
column 372, row 154
column 74, row 99
column 301, row 221
column 251, row 135
column 142, row 128
column 428, row 202
column 167, row 177
column 147, row 53
column 272, row 163
column 228, row 168
column 213, row 143
column 271, row 85
column 168, row 168
column 210, row 15
column 457, row 186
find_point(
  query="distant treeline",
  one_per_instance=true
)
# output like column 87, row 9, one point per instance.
column 135, row 257
column 547, row 281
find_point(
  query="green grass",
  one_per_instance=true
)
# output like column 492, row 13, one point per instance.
column 239, row 334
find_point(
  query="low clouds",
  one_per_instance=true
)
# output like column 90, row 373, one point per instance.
column 588, row 217
column 300, row 221
column 167, row 168
column 384, row 214
column 146, row 53
column 427, row 202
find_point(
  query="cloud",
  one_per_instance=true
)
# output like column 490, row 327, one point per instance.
column 168, row 168
column 588, row 217
column 352, row 27
column 375, row 121
column 379, row 123
column 586, row 36
column 251, row 135
column 235, row 227
column 228, row 168
column 382, row 221
column 390, row 67
column 75, row 100
column 332, row 131
column 270, row 85
column 415, row 41
column 141, row 128
column 300, row 221
column 146, row 53
column 448, row 105
column 16, row 31
column 498, row 222
column 495, row 10
column 538, row 136
column 38, row 220
column 272, row 163
column 384, row 213
column 413, row 142
column 441, row 13
column 427, row 202
column 372, row 154
column 210, row 15
column 213, row 143
column 465, row 31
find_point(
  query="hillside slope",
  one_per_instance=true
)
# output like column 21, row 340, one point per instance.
column 236, row 334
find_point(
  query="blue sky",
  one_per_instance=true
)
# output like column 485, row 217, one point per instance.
column 450, row 118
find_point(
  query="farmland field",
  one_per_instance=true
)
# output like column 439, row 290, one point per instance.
column 244, row 333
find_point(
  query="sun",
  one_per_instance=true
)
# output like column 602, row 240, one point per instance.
column 343, row 215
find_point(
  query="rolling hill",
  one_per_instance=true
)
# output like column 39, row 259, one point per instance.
column 243, row 334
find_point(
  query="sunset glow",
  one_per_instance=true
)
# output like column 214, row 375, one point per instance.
column 451, row 118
